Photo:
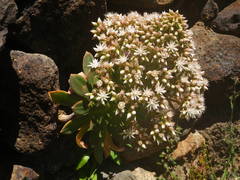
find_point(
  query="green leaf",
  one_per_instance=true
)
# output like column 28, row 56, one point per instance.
column 93, row 177
column 78, row 108
column 63, row 98
column 73, row 125
column 92, row 78
column 87, row 59
column 83, row 161
column 115, row 157
column 78, row 84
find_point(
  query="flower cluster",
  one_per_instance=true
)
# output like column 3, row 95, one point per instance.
column 148, row 71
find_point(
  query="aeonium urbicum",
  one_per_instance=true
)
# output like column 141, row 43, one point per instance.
column 143, row 74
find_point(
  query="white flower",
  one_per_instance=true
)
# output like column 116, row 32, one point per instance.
column 102, row 96
column 159, row 89
column 99, row 83
column 100, row 47
column 164, row 55
column 107, row 65
column 129, row 133
column 101, row 37
column 130, row 29
column 121, row 105
column 184, row 79
column 148, row 92
column 181, row 64
column 94, row 64
column 140, row 51
column 135, row 93
column 111, row 31
column 121, row 33
column 172, row 46
column 152, row 104
column 192, row 112
column 108, row 22
column 121, row 59
column 194, row 66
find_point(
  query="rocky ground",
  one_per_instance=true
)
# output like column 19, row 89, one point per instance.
column 43, row 41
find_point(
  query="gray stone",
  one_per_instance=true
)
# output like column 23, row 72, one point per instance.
column 8, row 11
column 218, row 54
column 20, row 172
column 209, row 11
column 37, row 118
column 228, row 20
column 126, row 175
column 137, row 174
column 142, row 174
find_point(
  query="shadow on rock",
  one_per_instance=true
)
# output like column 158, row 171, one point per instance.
column 9, row 110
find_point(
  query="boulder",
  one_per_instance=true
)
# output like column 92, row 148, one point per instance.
column 137, row 174
column 218, row 54
column 8, row 11
column 58, row 29
column 210, row 11
column 37, row 117
column 228, row 20
column 188, row 145
column 21, row 172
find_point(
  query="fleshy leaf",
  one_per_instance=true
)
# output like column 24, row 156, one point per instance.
column 78, row 84
column 87, row 59
column 108, row 143
column 73, row 125
column 80, row 135
column 92, row 78
column 78, row 108
column 63, row 98
column 83, row 161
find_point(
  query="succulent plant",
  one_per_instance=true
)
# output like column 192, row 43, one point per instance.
column 143, row 74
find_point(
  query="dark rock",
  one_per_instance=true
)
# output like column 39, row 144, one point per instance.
column 8, row 11
column 37, row 115
column 228, row 20
column 59, row 29
column 219, row 57
column 209, row 11
column 3, row 34
column 21, row 172
column 218, row 54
